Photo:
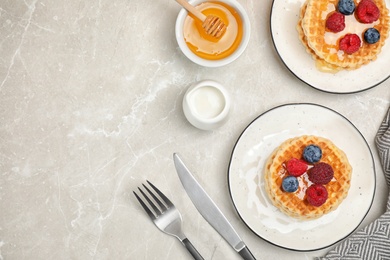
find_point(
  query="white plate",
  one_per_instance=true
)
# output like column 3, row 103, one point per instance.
column 284, row 18
column 246, row 182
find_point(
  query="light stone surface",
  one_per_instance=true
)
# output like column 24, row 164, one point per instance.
column 90, row 107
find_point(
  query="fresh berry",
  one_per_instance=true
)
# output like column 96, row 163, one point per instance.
column 346, row 7
column 296, row 167
column 316, row 195
column 335, row 22
column 312, row 153
column 372, row 35
column 367, row 11
column 321, row 173
column 290, row 184
column 350, row 43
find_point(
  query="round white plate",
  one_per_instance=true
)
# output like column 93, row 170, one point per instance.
column 246, row 184
column 284, row 18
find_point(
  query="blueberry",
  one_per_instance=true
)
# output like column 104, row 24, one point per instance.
column 290, row 184
column 346, row 7
column 371, row 35
column 312, row 153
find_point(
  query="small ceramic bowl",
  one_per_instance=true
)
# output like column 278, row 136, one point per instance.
column 206, row 105
column 213, row 63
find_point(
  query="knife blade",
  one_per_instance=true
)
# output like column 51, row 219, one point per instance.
column 209, row 210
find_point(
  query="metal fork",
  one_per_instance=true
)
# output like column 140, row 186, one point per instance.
column 166, row 217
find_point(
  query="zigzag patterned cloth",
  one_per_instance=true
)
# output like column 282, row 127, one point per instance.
column 373, row 241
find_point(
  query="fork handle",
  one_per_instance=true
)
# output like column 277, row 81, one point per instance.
column 192, row 249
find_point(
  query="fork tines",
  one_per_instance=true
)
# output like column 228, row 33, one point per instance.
column 156, row 211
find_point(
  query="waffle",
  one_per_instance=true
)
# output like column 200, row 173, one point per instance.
column 323, row 45
column 320, row 63
column 295, row 204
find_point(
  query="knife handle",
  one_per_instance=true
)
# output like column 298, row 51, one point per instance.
column 192, row 249
column 246, row 254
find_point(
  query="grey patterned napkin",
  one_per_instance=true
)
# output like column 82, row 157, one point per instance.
column 373, row 241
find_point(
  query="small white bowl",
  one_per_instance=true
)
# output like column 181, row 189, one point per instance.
column 206, row 105
column 213, row 63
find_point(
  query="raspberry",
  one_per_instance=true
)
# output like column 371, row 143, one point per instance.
column 321, row 173
column 296, row 167
column 335, row 22
column 316, row 195
column 367, row 11
column 350, row 43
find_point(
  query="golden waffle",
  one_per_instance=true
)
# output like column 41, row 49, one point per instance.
column 295, row 204
column 315, row 37
column 320, row 63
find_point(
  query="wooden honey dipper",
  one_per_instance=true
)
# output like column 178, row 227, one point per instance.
column 213, row 25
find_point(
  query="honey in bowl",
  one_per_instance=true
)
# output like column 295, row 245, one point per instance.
column 207, row 46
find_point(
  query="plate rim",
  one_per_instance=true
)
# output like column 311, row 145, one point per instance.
column 229, row 171
column 301, row 79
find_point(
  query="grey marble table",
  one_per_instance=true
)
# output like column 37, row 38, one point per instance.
column 90, row 107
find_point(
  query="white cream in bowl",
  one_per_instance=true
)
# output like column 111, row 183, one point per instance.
column 206, row 105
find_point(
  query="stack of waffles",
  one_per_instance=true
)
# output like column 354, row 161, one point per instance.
column 295, row 204
column 323, row 45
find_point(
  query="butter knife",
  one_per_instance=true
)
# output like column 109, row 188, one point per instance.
column 209, row 210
